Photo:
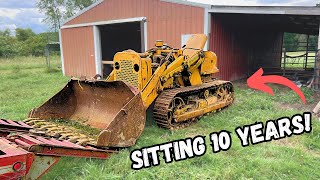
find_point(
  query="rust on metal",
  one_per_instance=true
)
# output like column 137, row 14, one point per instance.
column 53, row 147
column 164, row 114
column 7, row 126
column 40, row 165
column 37, row 154
column 115, row 108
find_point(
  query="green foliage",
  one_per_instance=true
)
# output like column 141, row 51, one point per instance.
column 25, row 43
column 57, row 11
column 9, row 45
column 53, row 9
column 25, row 86
column 291, row 41
column 5, row 32
column 74, row 6
column 33, row 46
column 297, row 42
column 51, row 36
column 24, row 34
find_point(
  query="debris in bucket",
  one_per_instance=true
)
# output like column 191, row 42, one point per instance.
column 72, row 131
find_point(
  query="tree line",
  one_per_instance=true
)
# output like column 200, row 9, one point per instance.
column 57, row 11
column 24, row 43
column 298, row 42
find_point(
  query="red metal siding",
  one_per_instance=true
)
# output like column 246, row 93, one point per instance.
column 78, row 52
column 230, row 50
column 166, row 21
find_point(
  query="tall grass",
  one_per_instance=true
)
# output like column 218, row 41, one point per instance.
column 25, row 83
column 299, row 62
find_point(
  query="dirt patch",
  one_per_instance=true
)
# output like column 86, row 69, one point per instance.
column 302, row 107
column 288, row 142
column 283, row 90
column 295, row 142
column 242, row 84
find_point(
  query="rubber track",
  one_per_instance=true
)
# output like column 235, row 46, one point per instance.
column 160, row 111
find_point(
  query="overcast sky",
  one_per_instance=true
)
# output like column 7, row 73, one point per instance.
column 24, row 14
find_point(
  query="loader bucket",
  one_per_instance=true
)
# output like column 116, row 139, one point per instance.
column 114, row 107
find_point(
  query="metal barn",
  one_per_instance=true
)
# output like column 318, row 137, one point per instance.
column 244, row 38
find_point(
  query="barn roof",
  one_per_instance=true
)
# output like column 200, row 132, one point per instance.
column 83, row 11
column 184, row 2
column 286, row 10
column 303, row 17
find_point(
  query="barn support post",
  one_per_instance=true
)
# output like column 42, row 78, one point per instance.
column 144, row 37
column 97, row 50
column 61, row 54
column 284, row 61
column 317, row 67
column 49, row 55
column 317, row 71
column 307, row 54
column 207, row 27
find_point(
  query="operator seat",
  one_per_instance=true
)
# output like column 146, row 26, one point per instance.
column 195, row 43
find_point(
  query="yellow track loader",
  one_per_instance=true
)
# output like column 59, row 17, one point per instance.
column 178, row 81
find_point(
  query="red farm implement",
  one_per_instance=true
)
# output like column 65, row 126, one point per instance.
column 27, row 156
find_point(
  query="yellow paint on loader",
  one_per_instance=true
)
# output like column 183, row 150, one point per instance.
column 117, row 106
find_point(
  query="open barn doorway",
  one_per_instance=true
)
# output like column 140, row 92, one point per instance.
column 248, row 42
column 116, row 38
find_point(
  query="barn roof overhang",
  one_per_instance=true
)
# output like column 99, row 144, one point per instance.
column 183, row 2
column 295, row 19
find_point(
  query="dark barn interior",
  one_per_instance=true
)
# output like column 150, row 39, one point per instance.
column 116, row 38
column 246, row 42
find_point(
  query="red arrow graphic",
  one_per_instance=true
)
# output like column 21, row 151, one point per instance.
column 257, row 81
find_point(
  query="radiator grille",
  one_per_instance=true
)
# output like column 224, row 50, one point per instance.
column 126, row 73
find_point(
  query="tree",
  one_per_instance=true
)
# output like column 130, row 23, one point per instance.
column 37, row 45
column 56, row 11
column 74, row 6
column 25, row 43
column 24, row 34
column 291, row 41
column 5, row 33
column 53, row 10
column 8, row 46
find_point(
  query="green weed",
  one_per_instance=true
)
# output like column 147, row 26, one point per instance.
column 297, row 157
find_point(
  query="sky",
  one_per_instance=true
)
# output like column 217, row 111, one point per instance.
column 24, row 14
column 21, row 14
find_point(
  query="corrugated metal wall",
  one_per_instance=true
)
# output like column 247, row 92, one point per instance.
column 266, row 50
column 78, row 52
column 243, row 47
column 166, row 21
column 230, row 49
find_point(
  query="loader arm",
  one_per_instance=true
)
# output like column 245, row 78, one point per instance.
column 164, row 75
column 117, row 106
column 92, row 118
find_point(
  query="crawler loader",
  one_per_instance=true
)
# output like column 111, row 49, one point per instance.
column 177, row 83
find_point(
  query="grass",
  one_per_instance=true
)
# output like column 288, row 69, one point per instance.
column 26, row 83
column 79, row 128
column 299, row 62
